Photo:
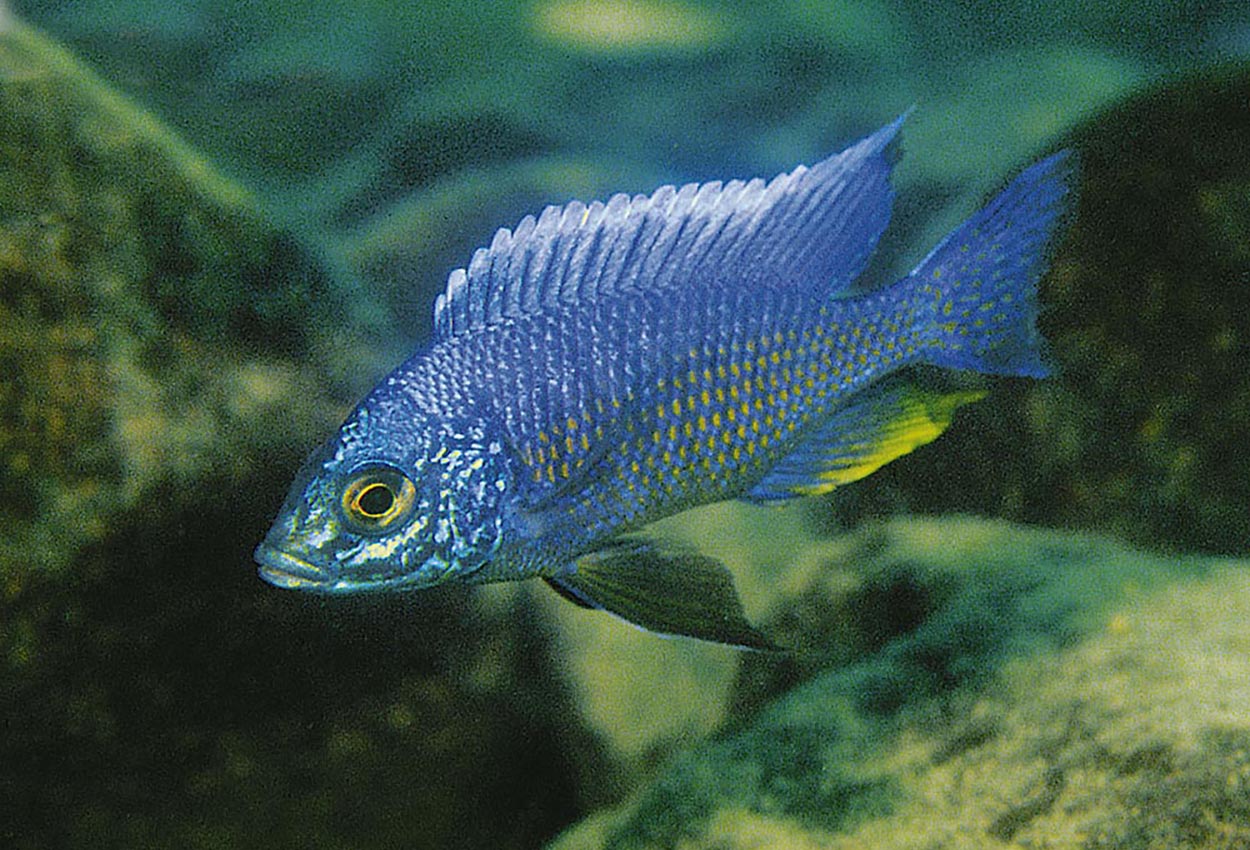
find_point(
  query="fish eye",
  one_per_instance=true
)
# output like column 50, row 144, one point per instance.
column 377, row 496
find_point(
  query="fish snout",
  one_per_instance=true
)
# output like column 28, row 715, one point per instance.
column 282, row 569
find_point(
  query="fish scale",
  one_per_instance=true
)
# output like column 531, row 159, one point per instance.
column 603, row 366
column 716, row 414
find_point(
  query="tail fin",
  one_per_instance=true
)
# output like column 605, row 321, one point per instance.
column 978, row 287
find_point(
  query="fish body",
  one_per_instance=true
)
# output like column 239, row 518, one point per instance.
column 604, row 366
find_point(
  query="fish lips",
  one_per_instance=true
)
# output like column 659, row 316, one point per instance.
column 282, row 569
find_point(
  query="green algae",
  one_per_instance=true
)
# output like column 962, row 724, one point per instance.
column 168, row 353
column 133, row 272
column 1053, row 684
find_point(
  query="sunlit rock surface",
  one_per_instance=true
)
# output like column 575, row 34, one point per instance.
column 1004, row 684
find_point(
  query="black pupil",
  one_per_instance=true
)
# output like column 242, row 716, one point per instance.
column 375, row 500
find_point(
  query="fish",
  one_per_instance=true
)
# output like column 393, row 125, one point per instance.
column 602, row 366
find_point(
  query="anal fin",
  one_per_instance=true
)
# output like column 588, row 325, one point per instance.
column 668, row 591
column 872, row 428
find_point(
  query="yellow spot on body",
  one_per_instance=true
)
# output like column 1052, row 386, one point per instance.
column 702, row 423
column 676, row 407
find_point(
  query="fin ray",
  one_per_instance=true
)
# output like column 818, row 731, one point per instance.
column 736, row 234
column 980, row 283
column 669, row 591
column 875, row 426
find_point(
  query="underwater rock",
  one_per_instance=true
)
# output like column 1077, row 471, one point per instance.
column 167, row 355
column 1147, row 314
column 151, row 318
column 1006, row 685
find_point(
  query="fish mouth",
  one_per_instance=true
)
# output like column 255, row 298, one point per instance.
column 282, row 569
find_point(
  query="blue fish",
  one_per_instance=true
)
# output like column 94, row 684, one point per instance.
column 602, row 366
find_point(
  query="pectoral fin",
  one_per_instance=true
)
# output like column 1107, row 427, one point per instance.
column 663, row 590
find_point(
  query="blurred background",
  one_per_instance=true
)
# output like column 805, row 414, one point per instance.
column 221, row 223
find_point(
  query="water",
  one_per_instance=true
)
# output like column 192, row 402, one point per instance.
column 222, row 222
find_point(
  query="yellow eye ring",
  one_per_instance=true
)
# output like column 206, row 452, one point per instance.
column 376, row 497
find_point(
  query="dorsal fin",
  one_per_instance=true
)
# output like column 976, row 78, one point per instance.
column 813, row 227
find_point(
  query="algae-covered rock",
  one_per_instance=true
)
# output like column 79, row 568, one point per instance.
column 149, row 312
column 167, row 355
column 1147, row 314
column 1006, row 685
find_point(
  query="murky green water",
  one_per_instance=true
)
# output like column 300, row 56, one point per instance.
column 220, row 223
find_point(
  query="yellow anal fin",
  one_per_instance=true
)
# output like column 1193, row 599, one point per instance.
column 871, row 429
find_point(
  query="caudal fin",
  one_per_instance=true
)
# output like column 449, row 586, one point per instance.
column 978, row 287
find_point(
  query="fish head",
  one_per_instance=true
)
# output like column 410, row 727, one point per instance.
column 376, row 511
